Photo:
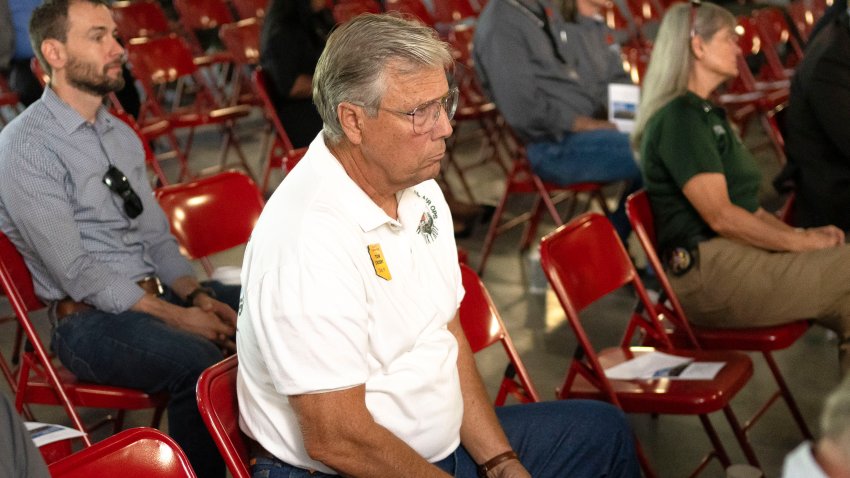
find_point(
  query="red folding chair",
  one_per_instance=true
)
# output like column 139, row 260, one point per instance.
column 41, row 382
column 483, row 327
column 765, row 340
column 199, row 15
column 142, row 18
column 251, row 8
column 168, row 74
column 411, row 7
column 281, row 153
column 242, row 42
column 585, row 261
column 804, row 14
column 780, row 43
column 219, row 408
column 522, row 180
column 134, row 453
column 211, row 214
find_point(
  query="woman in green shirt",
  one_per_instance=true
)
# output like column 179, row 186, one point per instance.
column 732, row 263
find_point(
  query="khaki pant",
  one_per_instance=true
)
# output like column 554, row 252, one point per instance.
column 734, row 285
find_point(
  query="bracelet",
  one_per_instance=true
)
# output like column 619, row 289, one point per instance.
column 191, row 296
column 496, row 461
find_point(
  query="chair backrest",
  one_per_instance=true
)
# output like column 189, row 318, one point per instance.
column 411, row 7
column 134, row 453
column 777, row 33
column 584, row 261
column 219, row 408
column 639, row 212
column 203, row 14
column 242, row 40
column 251, row 8
column 211, row 214
column 17, row 284
column 143, row 18
column 156, row 61
column 261, row 84
column 483, row 327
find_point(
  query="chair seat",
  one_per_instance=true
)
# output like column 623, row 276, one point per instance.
column 665, row 396
column 89, row 394
column 8, row 99
column 755, row 339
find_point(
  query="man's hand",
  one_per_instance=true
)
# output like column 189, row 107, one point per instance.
column 224, row 313
column 824, row 237
column 205, row 323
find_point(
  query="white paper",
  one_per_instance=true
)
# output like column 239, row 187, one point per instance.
column 44, row 433
column 623, row 102
column 646, row 366
column 700, row 371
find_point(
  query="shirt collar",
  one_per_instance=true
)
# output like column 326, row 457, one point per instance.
column 366, row 213
column 69, row 119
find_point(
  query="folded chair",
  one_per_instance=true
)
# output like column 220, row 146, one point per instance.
column 281, row 153
column 242, row 41
column 483, row 327
column 220, row 411
column 39, row 380
column 211, row 214
column 134, row 453
column 764, row 340
column 584, row 261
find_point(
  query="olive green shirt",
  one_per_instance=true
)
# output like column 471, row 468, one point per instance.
column 689, row 136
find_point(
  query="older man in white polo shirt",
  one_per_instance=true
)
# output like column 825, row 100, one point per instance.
column 352, row 358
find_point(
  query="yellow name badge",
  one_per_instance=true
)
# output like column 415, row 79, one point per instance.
column 378, row 261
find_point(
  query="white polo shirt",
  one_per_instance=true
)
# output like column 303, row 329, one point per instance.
column 338, row 294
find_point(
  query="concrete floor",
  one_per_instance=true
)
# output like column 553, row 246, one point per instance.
column 674, row 444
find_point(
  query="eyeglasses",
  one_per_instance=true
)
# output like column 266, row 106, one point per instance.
column 425, row 116
column 117, row 182
column 695, row 4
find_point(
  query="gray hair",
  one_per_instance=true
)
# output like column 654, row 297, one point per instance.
column 353, row 65
column 672, row 59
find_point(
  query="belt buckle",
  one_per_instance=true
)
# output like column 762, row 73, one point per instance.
column 680, row 260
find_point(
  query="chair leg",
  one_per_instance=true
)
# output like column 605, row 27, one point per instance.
column 157, row 417
column 746, row 447
column 719, row 450
column 493, row 230
column 786, row 395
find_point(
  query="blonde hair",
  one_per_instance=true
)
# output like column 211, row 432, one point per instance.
column 672, row 60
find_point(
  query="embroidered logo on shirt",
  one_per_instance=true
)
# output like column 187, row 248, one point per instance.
column 427, row 227
column 379, row 263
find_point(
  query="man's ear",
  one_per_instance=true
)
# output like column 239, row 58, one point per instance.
column 351, row 119
column 54, row 53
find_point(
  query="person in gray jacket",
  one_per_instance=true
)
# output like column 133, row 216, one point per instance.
column 547, row 66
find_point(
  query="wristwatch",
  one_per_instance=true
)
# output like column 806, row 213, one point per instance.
column 191, row 296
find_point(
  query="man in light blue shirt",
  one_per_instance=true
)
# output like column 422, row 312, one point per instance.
column 75, row 200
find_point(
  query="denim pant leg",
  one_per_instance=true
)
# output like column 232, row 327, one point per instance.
column 136, row 350
column 575, row 438
column 593, row 156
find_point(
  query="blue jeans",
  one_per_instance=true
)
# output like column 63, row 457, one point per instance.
column 137, row 350
column 603, row 155
column 566, row 438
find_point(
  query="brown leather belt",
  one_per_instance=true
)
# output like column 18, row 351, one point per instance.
column 65, row 307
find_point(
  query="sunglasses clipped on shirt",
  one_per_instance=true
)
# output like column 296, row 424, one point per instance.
column 118, row 183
